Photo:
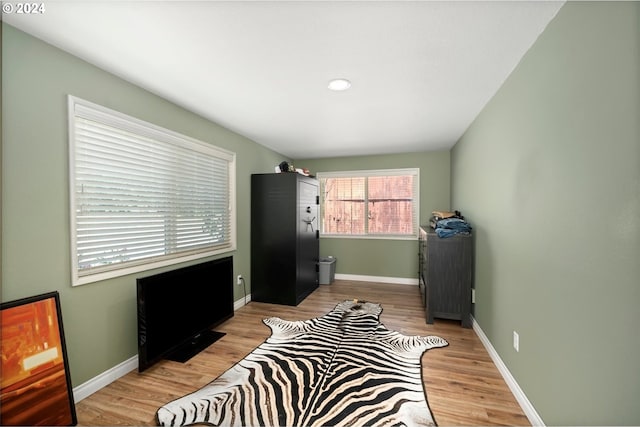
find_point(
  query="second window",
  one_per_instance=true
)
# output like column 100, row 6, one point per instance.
column 373, row 203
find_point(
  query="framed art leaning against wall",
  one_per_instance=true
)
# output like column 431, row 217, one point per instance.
column 36, row 383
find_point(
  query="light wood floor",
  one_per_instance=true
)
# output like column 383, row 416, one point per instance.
column 463, row 385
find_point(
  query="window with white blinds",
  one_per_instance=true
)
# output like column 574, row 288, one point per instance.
column 143, row 196
column 371, row 203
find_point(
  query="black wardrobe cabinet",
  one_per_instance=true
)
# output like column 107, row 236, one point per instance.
column 284, row 237
column 446, row 276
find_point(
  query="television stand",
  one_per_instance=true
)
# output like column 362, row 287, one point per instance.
column 194, row 346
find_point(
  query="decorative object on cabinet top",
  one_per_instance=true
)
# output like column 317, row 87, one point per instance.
column 285, row 167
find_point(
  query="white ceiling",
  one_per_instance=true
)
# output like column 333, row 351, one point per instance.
column 421, row 71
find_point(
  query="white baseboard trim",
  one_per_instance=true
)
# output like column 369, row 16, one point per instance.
column 380, row 279
column 525, row 404
column 104, row 379
column 110, row 375
column 242, row 302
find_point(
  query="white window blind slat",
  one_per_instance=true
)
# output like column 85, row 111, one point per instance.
column 99, row 114
column 143, row 195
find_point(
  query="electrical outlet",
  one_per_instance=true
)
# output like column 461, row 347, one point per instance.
column 473, row 296
column 516, row 341
column 239, row 280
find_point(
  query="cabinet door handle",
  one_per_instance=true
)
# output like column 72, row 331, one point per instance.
column 309, row 223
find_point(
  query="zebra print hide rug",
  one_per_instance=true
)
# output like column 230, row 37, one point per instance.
column 342, row 369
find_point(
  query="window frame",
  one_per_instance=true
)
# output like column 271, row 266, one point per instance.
column 165, row 136
column 415, row 172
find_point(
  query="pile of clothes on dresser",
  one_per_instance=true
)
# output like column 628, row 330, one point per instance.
column 447, row 224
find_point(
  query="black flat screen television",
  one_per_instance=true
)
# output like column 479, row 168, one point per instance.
column 177, row 310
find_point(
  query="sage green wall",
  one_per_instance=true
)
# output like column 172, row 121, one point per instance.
column 550, row 173
column 387, row 258
column 99, row 318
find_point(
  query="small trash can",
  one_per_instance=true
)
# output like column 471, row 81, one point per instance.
column 327, row 270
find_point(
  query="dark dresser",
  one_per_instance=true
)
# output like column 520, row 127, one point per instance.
column 446, row 275
column 284, row 237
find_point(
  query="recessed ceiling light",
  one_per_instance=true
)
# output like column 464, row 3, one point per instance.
column 339, row 84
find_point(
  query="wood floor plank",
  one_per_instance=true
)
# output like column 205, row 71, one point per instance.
column 463, row 385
